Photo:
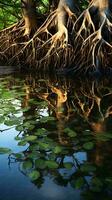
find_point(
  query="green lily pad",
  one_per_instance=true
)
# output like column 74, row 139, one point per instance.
column 34, row 175
column 5, row 150
column 88, row 145
column 27, row 165
column 52, row 164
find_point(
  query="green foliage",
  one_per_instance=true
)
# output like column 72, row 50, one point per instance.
column 10, row 12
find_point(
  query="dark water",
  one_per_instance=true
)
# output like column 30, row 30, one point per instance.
column 55, row 138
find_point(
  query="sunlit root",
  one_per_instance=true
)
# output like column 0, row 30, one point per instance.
column 51, row 41
column 94, row 37
column 13, row 42
column 8, row 40
column 56, row 41
column 62, row 41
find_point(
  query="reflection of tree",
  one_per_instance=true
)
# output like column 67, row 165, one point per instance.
column 89, row 100
column 82, row 113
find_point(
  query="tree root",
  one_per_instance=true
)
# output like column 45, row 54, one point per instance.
column 94, row 40
column 46, row 44
column 63, row 41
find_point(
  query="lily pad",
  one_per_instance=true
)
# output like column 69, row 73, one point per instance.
column 34, row 175
column 5, row 150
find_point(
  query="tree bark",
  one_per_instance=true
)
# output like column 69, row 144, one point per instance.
column 53, row 4
column 29, row 15
column 66, row 8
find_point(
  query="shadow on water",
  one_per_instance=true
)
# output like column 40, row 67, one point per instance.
column 61, row 136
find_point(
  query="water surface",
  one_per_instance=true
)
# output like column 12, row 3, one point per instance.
column 55, row 138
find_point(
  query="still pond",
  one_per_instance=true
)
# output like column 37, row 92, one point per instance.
column 55, row 138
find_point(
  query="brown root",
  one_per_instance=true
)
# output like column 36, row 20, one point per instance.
column 50, row 41
column 62, row 40
column 94, row 37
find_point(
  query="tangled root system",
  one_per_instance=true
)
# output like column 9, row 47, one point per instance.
column 63, row 41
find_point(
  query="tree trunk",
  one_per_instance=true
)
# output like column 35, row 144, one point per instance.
column 53, row 4
column 30, row 16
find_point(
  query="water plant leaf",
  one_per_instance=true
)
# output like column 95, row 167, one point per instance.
column 18, row 155
column 2, row 118
column 34, row 175
column 88, row 145
column 40, row 163
column 43, row 145
column 46, row 119
column 70, row 132
column 79, row 183
column 30, row 138
column 4, row 150
column 22, row 143
column 41, row 131
column 87, row 168
column 52, row 164
column 27, row 164
column 57, row 149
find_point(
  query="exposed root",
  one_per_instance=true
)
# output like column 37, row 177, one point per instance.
column 94, row 37
column 58, row 45
column 50, row 41
column 63, row 41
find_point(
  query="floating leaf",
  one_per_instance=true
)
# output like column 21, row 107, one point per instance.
column 20, row 128
column 17, row 138
column 88, row 168
column 46, row 119
column 40, row 163
column 41, row 131
column 12, row 121
column 5, row 150
column 34, row 175
column 7, row 95
column 22, row 143
column 44, row 146
column 79, row 183
column 2, row 118
column 18, row 155
column 29, row 125
column 70, row 132
column 52, row 164
column 57, row 149
column 88, row 145
column 27, row 164
column 30, row 138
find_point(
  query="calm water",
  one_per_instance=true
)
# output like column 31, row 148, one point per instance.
column 55, row 138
